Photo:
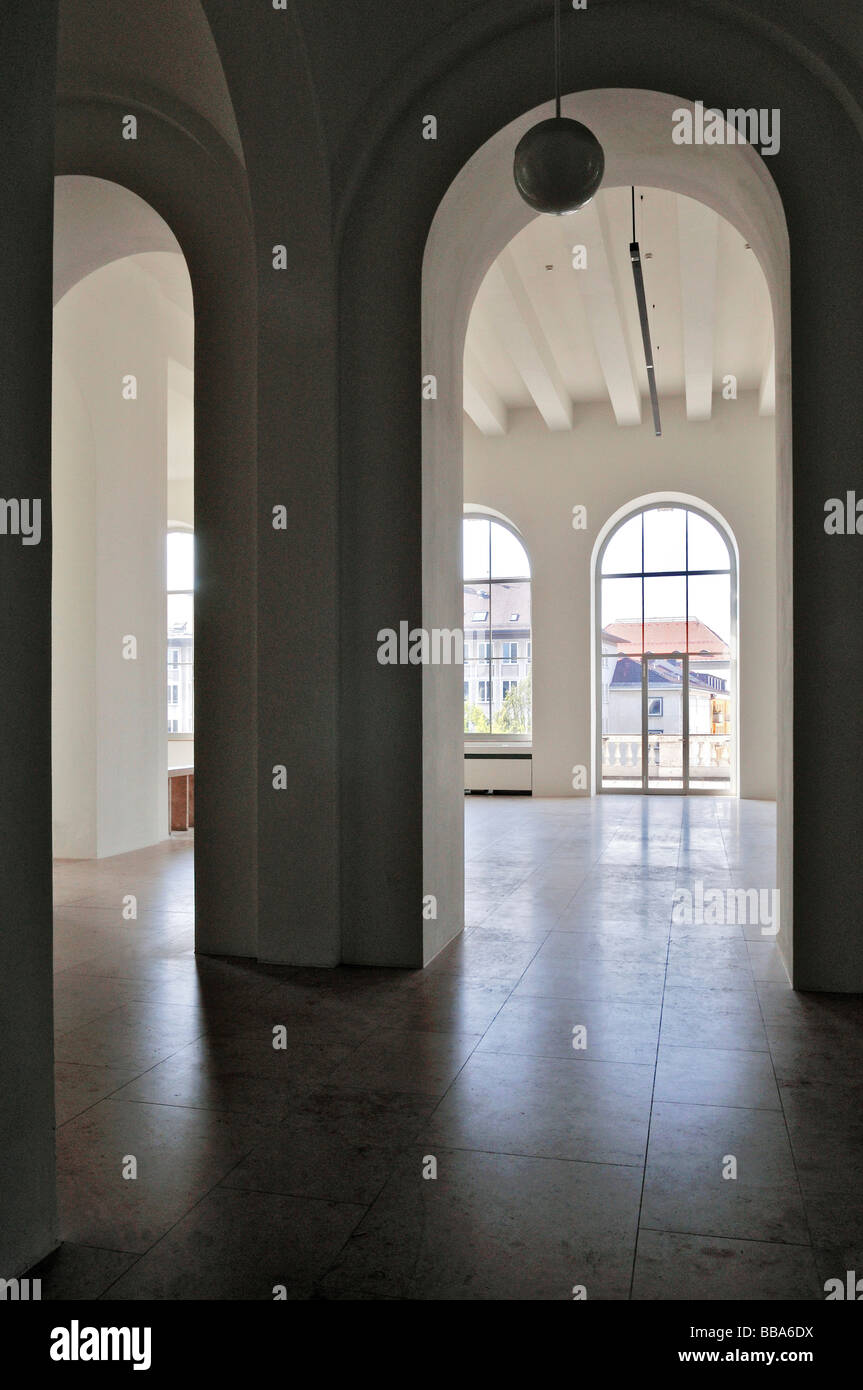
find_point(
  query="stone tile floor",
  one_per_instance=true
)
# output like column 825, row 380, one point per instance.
column 557, row 1165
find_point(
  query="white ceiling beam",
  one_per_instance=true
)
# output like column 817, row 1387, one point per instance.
column 522, row 334
column 603, row 304
column 698, row 229
column 481, row 401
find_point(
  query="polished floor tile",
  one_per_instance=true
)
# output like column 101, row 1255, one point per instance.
column 446, row 1003
column 716, row 1076
column 703, row 1268
column 80, row 1272
column 396, row 1059
column 307, row 1166
column 242, row 1245
column 715, row 1018
column 346, row 1157
column 494, row 1226
column 575, row 1029
column 78, row 1087
column 691, row 1187
column 597, row 1111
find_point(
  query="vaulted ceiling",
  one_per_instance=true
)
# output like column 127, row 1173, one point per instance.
column 164, row 45
column 551, row 330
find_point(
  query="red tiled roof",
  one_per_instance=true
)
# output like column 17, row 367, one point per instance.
column 667, row 635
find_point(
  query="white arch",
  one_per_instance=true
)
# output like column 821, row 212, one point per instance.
column 97, row 222
column 480, row 509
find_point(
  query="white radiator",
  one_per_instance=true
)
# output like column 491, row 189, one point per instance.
column 503, row 771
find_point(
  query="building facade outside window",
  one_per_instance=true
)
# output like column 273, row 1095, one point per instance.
column 181, row 631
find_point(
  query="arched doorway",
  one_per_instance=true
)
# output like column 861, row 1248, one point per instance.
column 220, row 264
column 465, row 238
column 123, row 463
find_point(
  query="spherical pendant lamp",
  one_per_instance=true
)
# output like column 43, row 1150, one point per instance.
column 559, row 163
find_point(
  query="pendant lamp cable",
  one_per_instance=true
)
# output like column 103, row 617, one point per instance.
column 557, row 56
column 633, row 213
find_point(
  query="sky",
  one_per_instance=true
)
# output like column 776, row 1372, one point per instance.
column 666, row 533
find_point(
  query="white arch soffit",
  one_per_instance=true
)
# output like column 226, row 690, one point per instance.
column 480, row 214
column 481, row 211
column 479, row 509
column 97, row 222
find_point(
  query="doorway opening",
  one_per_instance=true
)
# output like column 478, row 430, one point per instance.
column 123, row 581
column 666, row 656
column 516, row 411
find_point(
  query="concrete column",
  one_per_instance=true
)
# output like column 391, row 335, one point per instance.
column 299, row 634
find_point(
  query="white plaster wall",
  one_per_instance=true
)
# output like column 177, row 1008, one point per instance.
column 73, row 613
column 181, row 752
column 110, row 786
column 536, row 476
column 181, row 501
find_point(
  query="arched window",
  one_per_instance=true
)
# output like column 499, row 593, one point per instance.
column 666, row 659
column 181, row 631
column 497, row 641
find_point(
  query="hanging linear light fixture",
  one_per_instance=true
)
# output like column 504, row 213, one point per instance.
column 559, row 163
column 638, row 277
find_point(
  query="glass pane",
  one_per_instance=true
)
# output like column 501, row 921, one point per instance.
column 511, row 697
column 475, row 548
column 181, row 659
column 621, row 722
column 707, row 549
column 477, row 653
column 665, row 615
column 621, row 615
column 181, row 616
column 510, row 616
column 665, row 724
column 710, row 614
column 711, row 725
column 508, row 556
column 623, row 552
column 665, row 539
column 477, row 622
column 181, row 703
column 477, row 699
column 180, row 552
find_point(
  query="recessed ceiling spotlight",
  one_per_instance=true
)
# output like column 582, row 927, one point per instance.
column 549, row 267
